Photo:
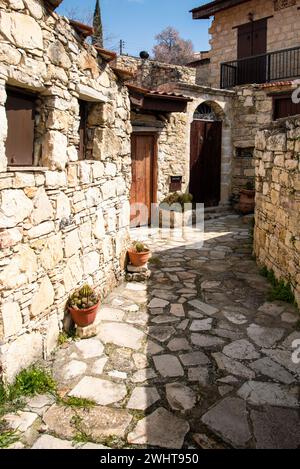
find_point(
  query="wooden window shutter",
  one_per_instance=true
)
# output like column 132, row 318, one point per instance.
column 245, row 41
column 284, row 107
column 252, row 38
column 82, row 130
column 20, row 111
column 260, row 37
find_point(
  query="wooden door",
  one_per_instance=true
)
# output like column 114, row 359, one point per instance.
column 205, row 162
column 143, row 187
column 252, row 42
column 20, row 129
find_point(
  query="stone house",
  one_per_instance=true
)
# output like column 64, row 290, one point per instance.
column 176, row 154
column 234, row 90
column 254, row 64
column 73, row 119
column 65, row 171
column 65, row 174
column 255, row 51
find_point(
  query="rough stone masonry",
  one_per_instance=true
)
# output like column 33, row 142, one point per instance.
column 62, row 221
column 277, row 243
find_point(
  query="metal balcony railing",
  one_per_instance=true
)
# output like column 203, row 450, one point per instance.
column 273, row 66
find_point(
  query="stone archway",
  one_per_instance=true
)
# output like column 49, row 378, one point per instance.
column 220, row 110
column 206, row 154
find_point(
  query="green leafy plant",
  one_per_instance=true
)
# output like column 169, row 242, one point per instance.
column 281, row 290
column 29, row 382
column 178, row 198
column 3, row 394
column 7, row 436
column 33, row 381
column 138, row 246
column 83, row 298
column 8, row 401
column 65, row 337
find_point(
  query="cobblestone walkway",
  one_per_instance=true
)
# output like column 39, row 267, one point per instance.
column 195, row 358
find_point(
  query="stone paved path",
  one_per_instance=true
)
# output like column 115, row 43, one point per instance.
column 195, row 358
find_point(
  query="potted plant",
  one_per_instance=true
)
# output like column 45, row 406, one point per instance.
column 174, row 209
column 247, row 198
column 83, row 305
column 139, row 254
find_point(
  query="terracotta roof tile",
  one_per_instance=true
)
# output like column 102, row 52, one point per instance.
column 277, row 83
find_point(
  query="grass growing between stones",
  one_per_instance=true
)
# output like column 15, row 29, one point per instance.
column 7, row 436
column 113, row 442
column 81, row 436
column 28, row 383
column 65, row 337
column 78, row 402
column 281, row 290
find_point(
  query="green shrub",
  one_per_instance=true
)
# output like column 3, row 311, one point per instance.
column 178, row 198
column 33, row 381
column 281, row 290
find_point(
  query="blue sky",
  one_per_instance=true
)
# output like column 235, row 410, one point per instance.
column 138, row 21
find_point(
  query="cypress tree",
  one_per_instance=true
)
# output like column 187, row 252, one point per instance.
column 97, row 25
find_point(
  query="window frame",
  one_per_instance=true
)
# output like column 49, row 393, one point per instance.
column 25, row 95
column 277, row 97
column 239, row 150
column 83, row 114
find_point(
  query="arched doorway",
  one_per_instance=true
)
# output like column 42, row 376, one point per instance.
column 205, row 156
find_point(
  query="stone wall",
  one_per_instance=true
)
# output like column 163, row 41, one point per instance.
column 252, row 109
column 283, row 31
column 171, row 147
column 63, row 222
column 221, row 103
column 151, row 74
column 172, row 129
column 203, row 73
column 277, row 168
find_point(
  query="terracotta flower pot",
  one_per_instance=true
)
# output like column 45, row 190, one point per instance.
column 247, row 201
column 84, row 317
column 138, row 259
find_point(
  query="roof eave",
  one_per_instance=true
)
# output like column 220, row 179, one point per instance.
column 84, row 29
column 123, row 73
column 147, row 100
column 53, row 3
column 105, row 54
column 210, row 9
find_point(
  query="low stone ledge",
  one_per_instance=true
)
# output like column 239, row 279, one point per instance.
column 89, row 331
column 137, row 274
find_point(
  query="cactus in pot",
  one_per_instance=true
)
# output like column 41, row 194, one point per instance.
column 83, row 305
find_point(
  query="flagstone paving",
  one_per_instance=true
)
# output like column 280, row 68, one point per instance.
column 196, row 357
